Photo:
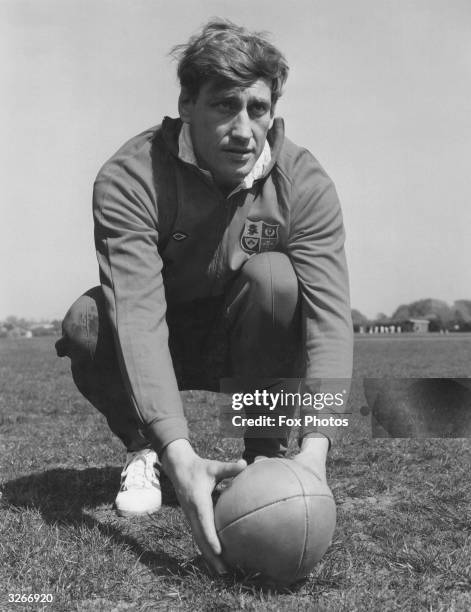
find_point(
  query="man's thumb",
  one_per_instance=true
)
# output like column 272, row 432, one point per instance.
column 227, row 470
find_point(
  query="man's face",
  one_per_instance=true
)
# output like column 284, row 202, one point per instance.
column 228, row 128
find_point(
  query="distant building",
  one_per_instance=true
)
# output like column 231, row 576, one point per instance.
column 19, row 332
column 43, row 329
column 418, row 326
column 410, row 325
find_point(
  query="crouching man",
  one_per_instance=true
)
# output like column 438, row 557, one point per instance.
column 220, row 248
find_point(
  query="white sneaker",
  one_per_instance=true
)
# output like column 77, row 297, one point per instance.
column 139, row 493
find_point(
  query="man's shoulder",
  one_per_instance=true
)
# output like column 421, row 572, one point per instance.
column 295, row 163
column 133, row 155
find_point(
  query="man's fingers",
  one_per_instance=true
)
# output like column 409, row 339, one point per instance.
column 194, row 483
column 211, row 558
column 221, row 470
column 205, row 517
column 204, row 532
column 204, row 529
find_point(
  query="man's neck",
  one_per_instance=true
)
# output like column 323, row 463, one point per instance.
column 187, row 154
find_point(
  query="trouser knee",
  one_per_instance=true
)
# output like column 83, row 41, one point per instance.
column 88, row 340
column 268, row 284
column 85, row 328
column 263, row 313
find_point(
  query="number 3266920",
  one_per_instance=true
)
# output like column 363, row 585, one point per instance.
column 30, row 598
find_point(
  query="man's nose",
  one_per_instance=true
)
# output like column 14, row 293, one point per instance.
column 241, row 127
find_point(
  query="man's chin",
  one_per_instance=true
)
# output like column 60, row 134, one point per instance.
column 238, row 173
column 233, row 176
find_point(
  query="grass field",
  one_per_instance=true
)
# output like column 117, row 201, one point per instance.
column 403, row 538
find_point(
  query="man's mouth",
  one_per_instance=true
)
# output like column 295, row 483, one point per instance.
column 239, row 152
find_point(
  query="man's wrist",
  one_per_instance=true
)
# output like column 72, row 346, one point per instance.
column 175, row 453
column 321, row 440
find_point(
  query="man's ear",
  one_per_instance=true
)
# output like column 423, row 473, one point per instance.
column 185, row 105
column 272, row 115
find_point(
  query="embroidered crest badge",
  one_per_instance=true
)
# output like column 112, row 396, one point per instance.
column 259, row 236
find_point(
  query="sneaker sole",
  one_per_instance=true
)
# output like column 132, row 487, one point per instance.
column 130, row 514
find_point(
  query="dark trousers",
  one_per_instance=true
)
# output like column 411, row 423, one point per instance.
column 252, row 332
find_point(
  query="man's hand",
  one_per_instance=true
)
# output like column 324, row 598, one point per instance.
column 313, row 455
column 194, row 479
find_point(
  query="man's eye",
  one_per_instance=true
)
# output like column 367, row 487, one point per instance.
column 258, row 110
column 224, row 105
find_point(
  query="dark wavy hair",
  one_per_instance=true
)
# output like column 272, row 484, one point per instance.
column 229, row 55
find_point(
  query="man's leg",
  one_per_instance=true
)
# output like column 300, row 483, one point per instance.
column 263, row 312
column 87, row 339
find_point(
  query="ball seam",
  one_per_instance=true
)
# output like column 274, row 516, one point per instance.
column 306, row 522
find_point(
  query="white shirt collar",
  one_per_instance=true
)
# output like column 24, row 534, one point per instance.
column 186, row 153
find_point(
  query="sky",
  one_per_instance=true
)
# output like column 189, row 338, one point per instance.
column 379, row 91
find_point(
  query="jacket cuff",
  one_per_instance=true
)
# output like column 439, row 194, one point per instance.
column 160, row 433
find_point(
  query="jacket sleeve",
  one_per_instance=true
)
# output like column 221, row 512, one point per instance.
column 125, row 218
column 316, row 249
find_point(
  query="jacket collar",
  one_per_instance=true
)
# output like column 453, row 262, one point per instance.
column 186, row 153
column 173, row 135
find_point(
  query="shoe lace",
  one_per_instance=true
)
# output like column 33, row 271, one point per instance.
column 139, row 470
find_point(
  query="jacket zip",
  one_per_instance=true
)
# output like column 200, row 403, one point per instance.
column 216, row 266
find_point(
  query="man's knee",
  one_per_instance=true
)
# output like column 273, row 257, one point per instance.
column 273, row 284
column 81, row 325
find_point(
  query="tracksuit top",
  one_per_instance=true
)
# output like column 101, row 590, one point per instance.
column 165, row 234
